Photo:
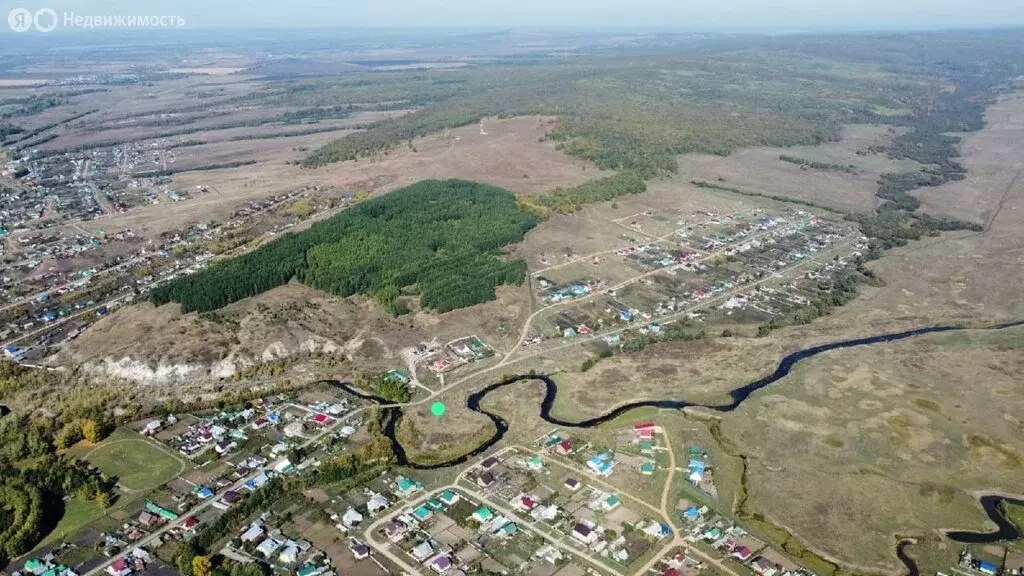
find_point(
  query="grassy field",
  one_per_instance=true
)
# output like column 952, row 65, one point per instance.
column 134, row 461
column 77, row 514
column 884, row 426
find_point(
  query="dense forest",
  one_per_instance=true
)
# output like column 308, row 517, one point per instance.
column 441, row 240
column 35, row 480
column 638, row 109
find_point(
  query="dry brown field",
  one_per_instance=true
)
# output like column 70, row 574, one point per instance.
column 760, row 170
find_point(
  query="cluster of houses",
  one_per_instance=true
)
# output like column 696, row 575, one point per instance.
column 409, row 531
column 131, row 563
column 452, row 355
column 551, row 293
column 263, row 541
column 593, row 536
column 55, row 190
column 680, row 563
column 45, row 566
column 225, row 431
column 703, row 525
column 699, row 471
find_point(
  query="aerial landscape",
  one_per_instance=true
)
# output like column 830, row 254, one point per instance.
column 531, row 297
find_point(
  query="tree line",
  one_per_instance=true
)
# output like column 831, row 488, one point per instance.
column 569, row 200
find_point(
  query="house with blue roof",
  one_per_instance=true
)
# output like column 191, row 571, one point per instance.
column 697, row 468
column 691, row 514
column 602, row 463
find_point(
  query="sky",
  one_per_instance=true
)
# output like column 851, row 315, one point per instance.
column 760, row 15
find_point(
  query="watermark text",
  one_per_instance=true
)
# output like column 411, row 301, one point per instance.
column 47, row 20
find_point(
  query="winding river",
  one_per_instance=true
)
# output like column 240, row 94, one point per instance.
column 392, row 414
column 1006, row 531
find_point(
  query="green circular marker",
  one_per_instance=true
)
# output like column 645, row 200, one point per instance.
column 437, row 409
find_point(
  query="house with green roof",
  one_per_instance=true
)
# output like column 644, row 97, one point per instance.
column 398, row 376
column 535, row 463
column 422, row 513
column 161, row 512
column 449, row 497
column 611, row 503
column 407, row 487
column 646, row 446
column 647, row 468
column 35, row 566
column 483, row 514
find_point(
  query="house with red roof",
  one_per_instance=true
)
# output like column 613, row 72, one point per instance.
column 742, row 553
column 190, row 523
column 120, row 567
column 564, row 447
column 526, row 503
column 321, row 419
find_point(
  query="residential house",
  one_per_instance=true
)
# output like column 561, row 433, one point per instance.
column 572, row 484
column 268, row 547
column 485, row 479
column 120, row 567
column 549, row 553
column 449, row 497
column 602, row 464
column 257, row 482
column 564, row 447
column 422, row 551
column 359, row 550
column 191, row 523
column 441, row 564
column 489, row 462
column 535, row 463
column 284, row 467
column 253, row 533
column 290, row 553
column 224, row 446
column 351, row 518
column 395, row 530
column 377, row 503
column 742, row 553
column 422, row 513
column 691, row 514
column 407, row 487
column 545, row 513
column 657, row 530
column 507, row 530
column 526, row 502
column 483, row 514
column 610, row 503
column 764, row 566
column 584, row 533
